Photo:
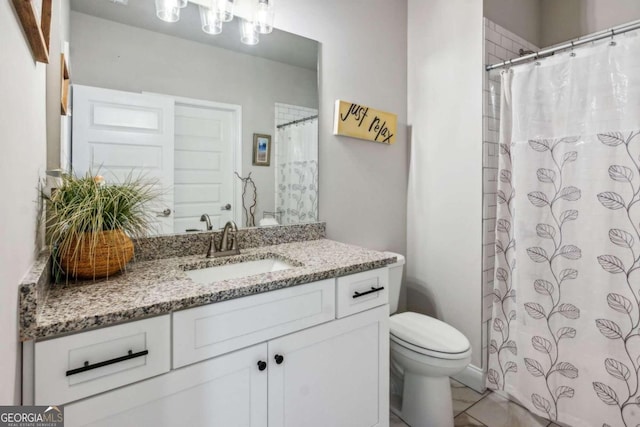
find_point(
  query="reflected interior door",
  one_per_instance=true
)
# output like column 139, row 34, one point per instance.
column 204, row 165
column 118, row 133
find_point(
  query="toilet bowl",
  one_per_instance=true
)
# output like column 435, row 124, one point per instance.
column 425, row 352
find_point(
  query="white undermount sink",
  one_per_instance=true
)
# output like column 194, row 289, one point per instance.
column 237, row 270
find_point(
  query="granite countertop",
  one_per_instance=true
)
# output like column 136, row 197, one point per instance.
column 161, row 286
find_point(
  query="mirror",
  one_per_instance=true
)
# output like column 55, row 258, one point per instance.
column 193, row 109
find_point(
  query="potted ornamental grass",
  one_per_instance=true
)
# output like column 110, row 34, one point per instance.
column 91, row 223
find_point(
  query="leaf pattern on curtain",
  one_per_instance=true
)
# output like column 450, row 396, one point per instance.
column 570, row 351
column 553, row 196
column 297, row 192
column 625, row 371
column 501, row 345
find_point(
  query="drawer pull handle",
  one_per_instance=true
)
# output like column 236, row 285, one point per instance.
column 361, row 294
column 279, row 358
column 262, row 365
column 88, row 367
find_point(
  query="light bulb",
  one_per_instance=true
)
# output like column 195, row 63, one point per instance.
column 225, row 9
column 168, row 10
column 210, row 20
column 264, row 17
column 249, row 32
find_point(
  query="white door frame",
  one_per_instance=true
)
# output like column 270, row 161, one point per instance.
column 237, row 147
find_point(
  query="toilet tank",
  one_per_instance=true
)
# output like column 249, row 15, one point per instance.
column 395, row 280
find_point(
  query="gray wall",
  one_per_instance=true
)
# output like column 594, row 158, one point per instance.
column 22, row 163
column 444, row 247
column 363, row 59
column 548, row 22
column 568, row 19
column 522, row 17
column 116, row 56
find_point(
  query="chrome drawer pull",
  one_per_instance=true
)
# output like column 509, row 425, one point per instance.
column 361, row 294
column 88, row 367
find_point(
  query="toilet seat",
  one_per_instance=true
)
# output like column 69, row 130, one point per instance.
column 428, row 336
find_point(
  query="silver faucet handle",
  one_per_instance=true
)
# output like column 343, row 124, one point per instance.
column 234, row 239
column 212, row 247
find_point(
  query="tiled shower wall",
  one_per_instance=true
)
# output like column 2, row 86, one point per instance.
column 286, row 113
column 500, row 45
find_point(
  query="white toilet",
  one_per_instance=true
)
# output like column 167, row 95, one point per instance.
column 424, row 353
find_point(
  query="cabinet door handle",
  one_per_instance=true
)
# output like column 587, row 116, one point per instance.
column 88, row 367
column 279, row 358
column 262, row 365
column 361, row 294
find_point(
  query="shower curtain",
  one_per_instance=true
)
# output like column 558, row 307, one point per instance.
column 297, row 172
column 565, row 334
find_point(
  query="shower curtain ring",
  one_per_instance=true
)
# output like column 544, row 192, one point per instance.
column 613, row 42
column 572, row 54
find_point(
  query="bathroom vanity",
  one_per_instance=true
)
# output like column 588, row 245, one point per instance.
column 304, row 345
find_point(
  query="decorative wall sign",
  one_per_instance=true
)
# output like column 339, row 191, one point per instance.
column 362, row 122
column 261, row 149
column 37, row 27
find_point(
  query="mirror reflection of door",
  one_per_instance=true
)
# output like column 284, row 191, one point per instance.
column 204, row 182
column 187, row 145
column 118, row 133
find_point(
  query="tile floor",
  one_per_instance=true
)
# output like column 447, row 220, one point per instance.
column 472, row 409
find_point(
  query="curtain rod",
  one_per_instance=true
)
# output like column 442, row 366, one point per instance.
column 297, row 121
column 634, row 25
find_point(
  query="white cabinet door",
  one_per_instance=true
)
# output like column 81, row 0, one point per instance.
column 228, row 391
column 336, row 374
column 120, row 133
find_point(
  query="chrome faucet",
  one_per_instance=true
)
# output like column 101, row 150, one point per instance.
column 207, row 220
column 228, row 244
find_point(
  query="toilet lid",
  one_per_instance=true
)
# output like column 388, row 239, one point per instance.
column 428, row 333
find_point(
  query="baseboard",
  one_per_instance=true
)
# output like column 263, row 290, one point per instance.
column 473, row 377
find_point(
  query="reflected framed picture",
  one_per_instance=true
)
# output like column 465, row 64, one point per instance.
column 261, row 149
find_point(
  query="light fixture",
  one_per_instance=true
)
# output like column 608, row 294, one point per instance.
column 213, row 13
column 168, row 10
column 210, row 19
column 264, row 16
column 249, row 32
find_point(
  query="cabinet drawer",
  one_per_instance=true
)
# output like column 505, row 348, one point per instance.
column 83, row 364
column 207, row 331
column 362, row 291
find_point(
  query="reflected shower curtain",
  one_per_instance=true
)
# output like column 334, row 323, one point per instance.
column 565, row 334
column 297, row 172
